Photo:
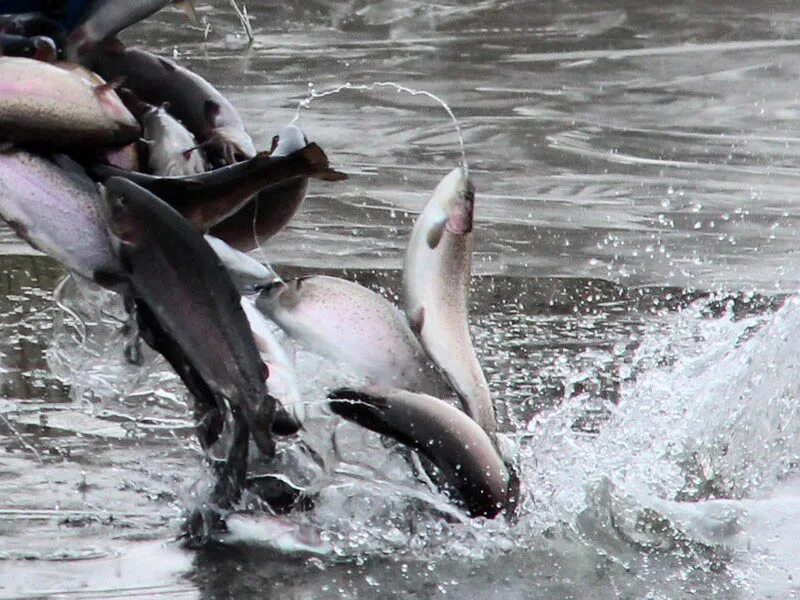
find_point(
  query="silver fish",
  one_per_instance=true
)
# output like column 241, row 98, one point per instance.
column 247, row 273
column 43, row 104
column 108, row 17
column 58, row 212
column 345, row 321
column 450, row 439
column 436, row 276
column 172, row 150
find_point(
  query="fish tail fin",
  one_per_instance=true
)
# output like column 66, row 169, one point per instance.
column 318, row 165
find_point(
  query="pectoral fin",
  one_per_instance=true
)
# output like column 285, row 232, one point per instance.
column 436, row 232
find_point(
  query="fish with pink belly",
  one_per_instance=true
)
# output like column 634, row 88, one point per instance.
column 349, row 323
column 436, row 276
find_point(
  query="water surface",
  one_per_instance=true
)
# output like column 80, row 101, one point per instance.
column 636, row 167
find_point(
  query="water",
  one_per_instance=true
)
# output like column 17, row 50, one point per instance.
column 634, row 310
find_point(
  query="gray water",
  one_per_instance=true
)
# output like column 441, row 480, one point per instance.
column 636, row 166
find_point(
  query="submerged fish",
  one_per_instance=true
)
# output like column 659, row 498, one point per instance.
column 273, row 207
column 46, row 105
column 436, row 276
column 38, row 47
column 346, row 322
column 104, row 18
column 196, row 103
column 190, row 311
column 450, row 439
column 206, row 199
column 57, row 212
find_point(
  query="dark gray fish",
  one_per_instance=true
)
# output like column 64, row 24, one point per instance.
column 205, row 112
column 272, row 208
column 206, row 199
column 183, row 292
column 450, row 439
column 38, row 47
column 34, row 24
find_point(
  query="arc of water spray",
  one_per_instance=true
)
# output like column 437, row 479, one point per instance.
column 313, row 94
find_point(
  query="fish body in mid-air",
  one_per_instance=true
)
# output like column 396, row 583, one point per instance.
column 346, row 322
column 436, row 277
column 456, row 444
column 188, row 299
column 273, row 207
column 202, row 109
column 58, row 212
column 104, row 18
column 44, row 105
column 208, row 198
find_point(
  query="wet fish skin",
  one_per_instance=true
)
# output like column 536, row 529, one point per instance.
column 347, row 322
column 248, row 274
column 177, row 276
column 283, row 377
column 272, row 208
column 206, row 199
column 436, row 276
column 172, row 151
column 461, row 449
column 202, row 109
column 104, row 18
column 58, row 213
column 43, row 104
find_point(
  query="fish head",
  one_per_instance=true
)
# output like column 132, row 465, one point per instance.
column 115, row 109
column 455, row 195
column 290, row 139
column 281, row 296
column 120, row 207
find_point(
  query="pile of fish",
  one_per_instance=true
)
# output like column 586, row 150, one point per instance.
column 137, row 174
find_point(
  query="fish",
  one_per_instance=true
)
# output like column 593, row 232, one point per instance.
column 31, row 24
column 104, row 18
column 189, row 310
column 283, row 381
column 206, row 199
column 58, row 212
column 248, row 275
column 38, row 47
column 273, row 207
column 436, row 277
column 42, row 104
column 171, row 150
column 202, row 109
column 456, row 444
column 346, row 322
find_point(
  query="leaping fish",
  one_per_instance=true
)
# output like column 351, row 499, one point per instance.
column 436, row 277
column 456, row 444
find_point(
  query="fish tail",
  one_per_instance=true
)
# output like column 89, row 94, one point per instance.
column 317, row 163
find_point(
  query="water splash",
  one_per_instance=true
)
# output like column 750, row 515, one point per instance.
column 314, row 94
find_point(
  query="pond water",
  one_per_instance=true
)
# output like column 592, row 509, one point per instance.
column 636, row 167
